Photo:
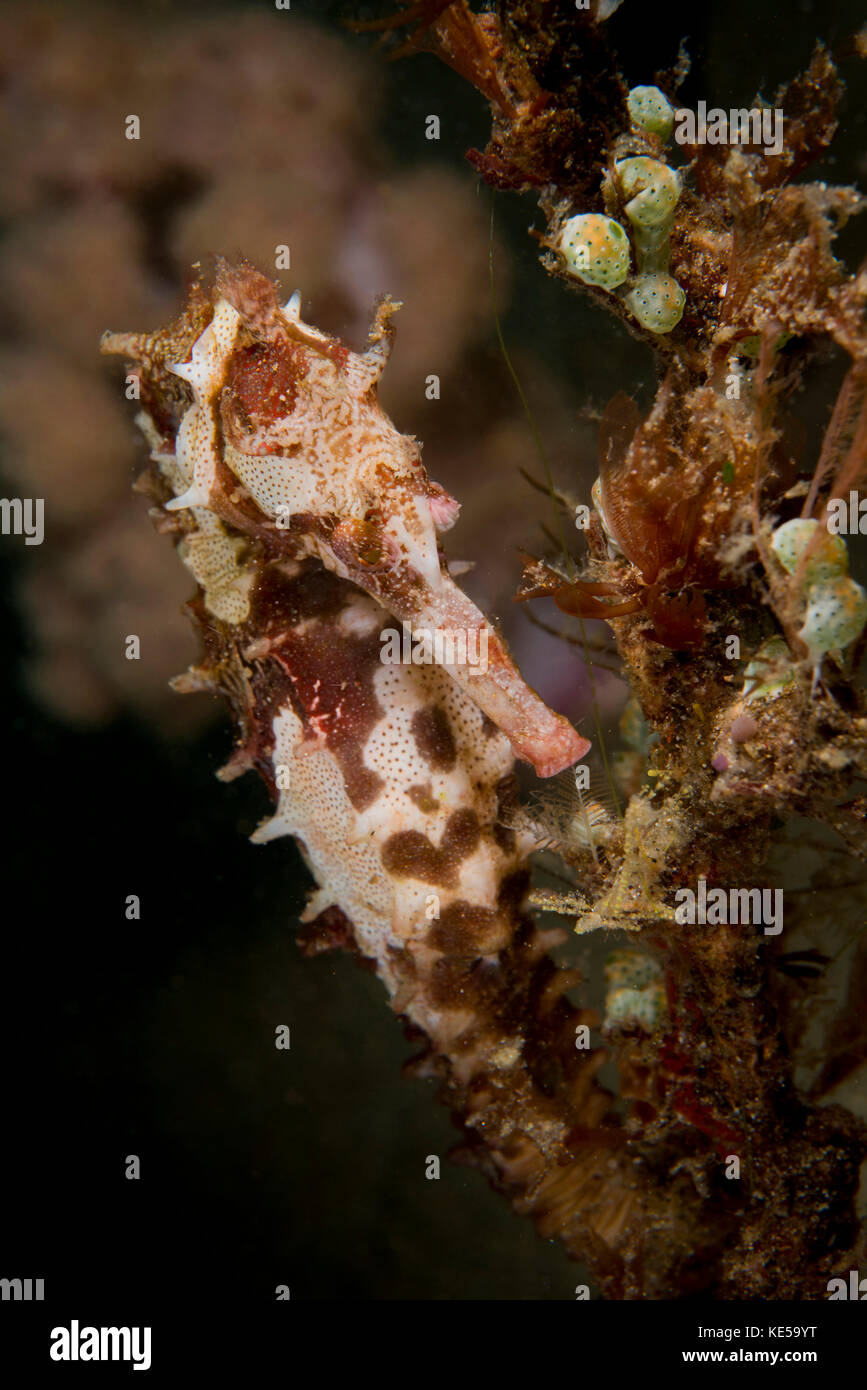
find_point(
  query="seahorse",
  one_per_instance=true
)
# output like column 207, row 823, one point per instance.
column 309, row 524
column 284, row 437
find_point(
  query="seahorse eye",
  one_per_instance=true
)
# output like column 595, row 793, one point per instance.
column 369, row 552
column 361, row 542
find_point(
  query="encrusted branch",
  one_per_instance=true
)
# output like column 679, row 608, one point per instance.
column 384, row 712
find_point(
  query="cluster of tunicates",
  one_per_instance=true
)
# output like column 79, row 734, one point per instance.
column 836, row 607
column 596, row 249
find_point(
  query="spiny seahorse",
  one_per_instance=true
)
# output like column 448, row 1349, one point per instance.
column 284, row 435
column 309, row 524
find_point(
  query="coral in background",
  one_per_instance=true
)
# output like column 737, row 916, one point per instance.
column 100, row 228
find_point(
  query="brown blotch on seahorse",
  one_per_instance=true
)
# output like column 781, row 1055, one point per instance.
column 465, row 930
column 410, row 854
column 262, row 383
column 433, row 738
column 421, row 795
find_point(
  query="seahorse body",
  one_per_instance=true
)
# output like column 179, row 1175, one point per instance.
column 309, row 524
column 283, row 436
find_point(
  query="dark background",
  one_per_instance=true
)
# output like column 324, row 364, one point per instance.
column 155, row 1037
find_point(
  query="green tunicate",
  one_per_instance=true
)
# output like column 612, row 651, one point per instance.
column 595, row 249
column 657, row 301
column 650, row 109
column 652, row 190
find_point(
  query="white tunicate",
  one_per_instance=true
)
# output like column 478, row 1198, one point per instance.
column 829, row 559
column 836, row 607
column 641, row 1008
column 835, row 617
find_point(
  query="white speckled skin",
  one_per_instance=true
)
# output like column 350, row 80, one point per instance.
column 292, row 417
column 396, row 899
column 388, row 775
column 310, row 526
